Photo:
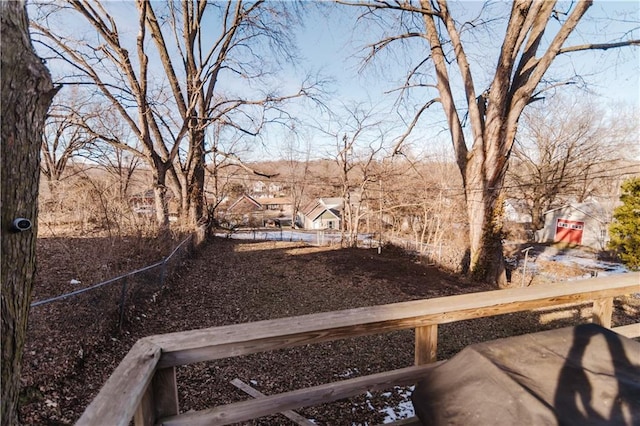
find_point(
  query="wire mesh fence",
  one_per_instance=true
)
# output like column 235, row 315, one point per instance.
column 68, row 331
column 315, row 237
column 437, row 254
column 114, row 300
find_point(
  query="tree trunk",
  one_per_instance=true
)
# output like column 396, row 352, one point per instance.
column 196, row 179
column 484, row 209
column 27, row 92
column 537, row 217
column 485, row 237
column 160, row 195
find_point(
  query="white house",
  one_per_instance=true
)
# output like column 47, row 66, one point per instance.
column 324, row 213
column 516, row 211
column 583, row 224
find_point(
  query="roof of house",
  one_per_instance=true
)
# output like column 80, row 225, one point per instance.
column 242, row 198
column 316, row 209
column 332, row 203
column 592, row 209
column 273, row 200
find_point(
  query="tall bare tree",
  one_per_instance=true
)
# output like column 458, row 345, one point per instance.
column 359, row 137
column 63, row 137
column 297, row 173
column 563, row 151
column 535, row 34
column 27, row 93
column 214, row 58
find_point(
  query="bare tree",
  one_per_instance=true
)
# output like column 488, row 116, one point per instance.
column 120, row 164
column 359, row 137
column 169, row 113
column 563, row 150
column 225, row 148
column 63, row 137
column 535, row 34
column 27, row 93
column 297, row 176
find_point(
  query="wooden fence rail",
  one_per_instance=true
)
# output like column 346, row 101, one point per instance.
column 143, row 386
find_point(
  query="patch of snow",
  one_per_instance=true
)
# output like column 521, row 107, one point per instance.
column 349, row 373
column 404, row 409
column 577, row 258
column 396, row 411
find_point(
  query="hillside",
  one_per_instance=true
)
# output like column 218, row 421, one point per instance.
column 233, row 282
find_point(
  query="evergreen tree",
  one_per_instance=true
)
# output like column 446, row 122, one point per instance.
column 625, row 229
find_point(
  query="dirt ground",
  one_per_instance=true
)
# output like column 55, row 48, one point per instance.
column 68, row 357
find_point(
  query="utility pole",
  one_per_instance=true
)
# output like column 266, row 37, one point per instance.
column 380, row 234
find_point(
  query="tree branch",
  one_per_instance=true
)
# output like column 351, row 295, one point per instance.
column 396, row 148
column 599, row 46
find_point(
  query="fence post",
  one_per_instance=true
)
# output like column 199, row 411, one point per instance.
column 524, row 269
column 602, row 311
column 426, row 344
column 159, row 400
column 123, row 296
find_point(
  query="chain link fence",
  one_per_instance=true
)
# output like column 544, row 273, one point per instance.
column 66, row 331
column 440, row 254
column 113, row 301
column 435, row 254
column 316, row 238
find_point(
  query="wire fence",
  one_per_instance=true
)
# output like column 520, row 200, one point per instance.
column 435, row 254
column 66, row 331
column 316, row 238
column 115, row 298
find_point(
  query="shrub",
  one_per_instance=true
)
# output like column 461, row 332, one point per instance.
column 625, row 229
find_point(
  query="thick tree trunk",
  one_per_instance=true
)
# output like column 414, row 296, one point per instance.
column 484, row 178
column 160, row 195
column 196, row 180
column 27, row 92
column 537, row 218
column 485, row 237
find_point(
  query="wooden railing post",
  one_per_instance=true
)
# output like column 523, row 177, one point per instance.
column 602, row 311
column 160, row 399
column 426, row 344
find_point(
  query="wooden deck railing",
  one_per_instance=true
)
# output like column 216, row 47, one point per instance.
column 143, row 386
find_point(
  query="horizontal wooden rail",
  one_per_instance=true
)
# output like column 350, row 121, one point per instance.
column 631, row 331
column 247, row 410
column 129, row 386
column 242, row 339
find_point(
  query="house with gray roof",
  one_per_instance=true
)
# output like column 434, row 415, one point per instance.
column 323, row 213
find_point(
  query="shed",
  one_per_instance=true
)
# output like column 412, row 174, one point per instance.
column 583, row 224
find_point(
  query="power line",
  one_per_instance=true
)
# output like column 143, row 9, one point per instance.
column 620, row 172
